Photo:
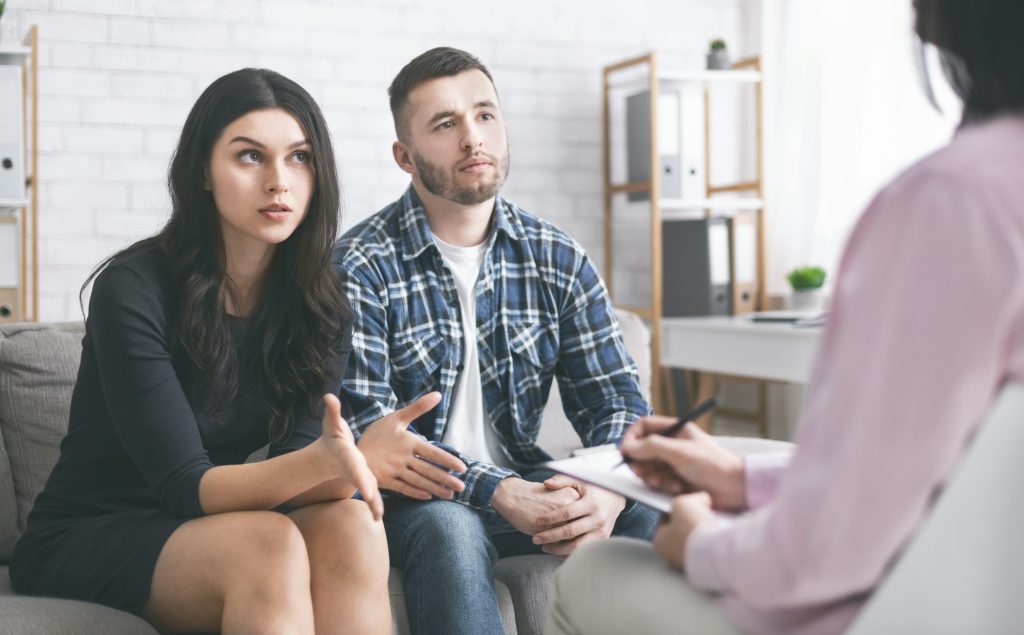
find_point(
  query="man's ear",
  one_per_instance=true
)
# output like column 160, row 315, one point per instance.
column 402, row 157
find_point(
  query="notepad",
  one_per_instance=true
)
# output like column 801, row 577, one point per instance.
column 600, row 467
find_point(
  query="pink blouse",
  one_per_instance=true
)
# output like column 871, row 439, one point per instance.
column 927, row 324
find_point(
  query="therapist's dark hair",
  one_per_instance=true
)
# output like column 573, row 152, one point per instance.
column 982, row 42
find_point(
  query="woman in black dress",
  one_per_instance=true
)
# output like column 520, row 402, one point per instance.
column 215, row 337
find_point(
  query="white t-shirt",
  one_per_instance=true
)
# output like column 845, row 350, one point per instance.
column 468, row 429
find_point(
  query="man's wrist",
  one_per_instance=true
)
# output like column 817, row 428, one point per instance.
column 502, row 491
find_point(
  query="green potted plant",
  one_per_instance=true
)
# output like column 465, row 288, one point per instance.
column 718, row 56
column 806, row 283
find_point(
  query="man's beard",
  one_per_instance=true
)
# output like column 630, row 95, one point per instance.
column 440, row 182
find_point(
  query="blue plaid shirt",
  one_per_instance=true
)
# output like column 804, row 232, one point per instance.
column 542, row 314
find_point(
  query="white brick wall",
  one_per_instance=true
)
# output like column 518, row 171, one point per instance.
column 118, row 78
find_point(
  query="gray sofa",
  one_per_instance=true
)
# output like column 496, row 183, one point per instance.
column 38, row 364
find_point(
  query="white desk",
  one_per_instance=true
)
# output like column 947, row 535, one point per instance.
column 737, row 346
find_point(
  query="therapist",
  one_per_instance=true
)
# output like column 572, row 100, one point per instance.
column 926, row 328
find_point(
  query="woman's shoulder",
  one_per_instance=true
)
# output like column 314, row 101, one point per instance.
column 146, row 262
column 135, row 275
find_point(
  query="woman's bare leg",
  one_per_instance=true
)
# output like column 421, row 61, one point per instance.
column 348, row 556
column 240, row 572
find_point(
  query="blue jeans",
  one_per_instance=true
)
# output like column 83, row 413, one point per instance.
column 446, row 552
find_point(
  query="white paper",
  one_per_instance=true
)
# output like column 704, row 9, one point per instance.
column 601, row 468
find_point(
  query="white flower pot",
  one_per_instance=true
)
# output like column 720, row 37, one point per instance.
column 807, row 300
column 719, row 61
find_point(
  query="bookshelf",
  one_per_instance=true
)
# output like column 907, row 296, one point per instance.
column 742, row 197
column 19, row 215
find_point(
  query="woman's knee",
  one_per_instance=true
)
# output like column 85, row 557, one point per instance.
column 269, row 543
column 344, row 531
column 256, row 560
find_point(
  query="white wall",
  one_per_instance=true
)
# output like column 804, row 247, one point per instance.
column 845, row 114
column 118, row 78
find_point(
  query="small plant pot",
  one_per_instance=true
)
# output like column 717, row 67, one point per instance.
column 807, row 300
column 719, row 61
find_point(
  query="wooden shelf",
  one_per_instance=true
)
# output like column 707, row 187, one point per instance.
column 14, row 203
column 739, row 77
column 642, row 73
column 632, row 186
column 714, row 203
column 690, row 77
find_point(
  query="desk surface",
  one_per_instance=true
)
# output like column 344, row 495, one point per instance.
column 738, row 346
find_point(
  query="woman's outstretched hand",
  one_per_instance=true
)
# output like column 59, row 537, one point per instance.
column 344, row 458
column 404, row 462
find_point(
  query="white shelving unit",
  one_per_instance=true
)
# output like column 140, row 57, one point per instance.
column 19, row 290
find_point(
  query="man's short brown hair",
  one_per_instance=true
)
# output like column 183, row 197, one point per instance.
column 443, row 61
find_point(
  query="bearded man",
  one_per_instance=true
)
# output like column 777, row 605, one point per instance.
column 463, row 299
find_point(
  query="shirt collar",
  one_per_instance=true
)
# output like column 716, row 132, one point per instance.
column 416, row 234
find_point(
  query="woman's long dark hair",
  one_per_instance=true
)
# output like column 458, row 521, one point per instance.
column 297, row 325
column 982, row 47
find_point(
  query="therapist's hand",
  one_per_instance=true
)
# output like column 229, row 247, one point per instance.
column 687, row 513
column 691, row 461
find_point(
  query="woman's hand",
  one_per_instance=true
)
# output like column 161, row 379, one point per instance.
column 687, row 513
column 690, row 461
column 404, row 462
column 343, row 458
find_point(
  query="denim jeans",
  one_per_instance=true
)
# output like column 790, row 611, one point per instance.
column 446, row 552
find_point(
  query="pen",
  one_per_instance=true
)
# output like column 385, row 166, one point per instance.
column 682, row 421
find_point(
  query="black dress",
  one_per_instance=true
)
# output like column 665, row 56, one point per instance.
column 130, row 465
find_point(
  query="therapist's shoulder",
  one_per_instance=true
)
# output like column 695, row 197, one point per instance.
column 982, row 161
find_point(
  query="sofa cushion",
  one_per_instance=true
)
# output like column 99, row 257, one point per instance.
column 23, row 615
column 557, row 436
column 527, row 579
column 38, row 366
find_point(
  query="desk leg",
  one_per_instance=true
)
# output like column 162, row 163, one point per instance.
column 669, row 403
column 707, row 385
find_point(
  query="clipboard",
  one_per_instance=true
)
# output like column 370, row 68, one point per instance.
column 600, row 466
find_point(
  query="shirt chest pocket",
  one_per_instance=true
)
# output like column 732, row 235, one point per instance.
column 533, row 351
column 534, row 345
column 415, row 358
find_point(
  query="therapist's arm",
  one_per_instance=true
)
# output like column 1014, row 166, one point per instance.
column 927, row 297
